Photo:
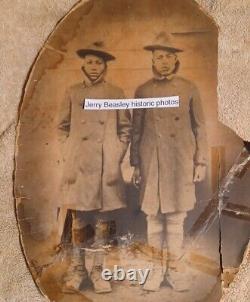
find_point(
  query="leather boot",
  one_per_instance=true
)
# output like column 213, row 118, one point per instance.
column 76, row 273
column 100, row 285
column 155, row 277
column 177, row 276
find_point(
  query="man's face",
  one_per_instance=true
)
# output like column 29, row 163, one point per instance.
column 164, row 62
column 93, row 66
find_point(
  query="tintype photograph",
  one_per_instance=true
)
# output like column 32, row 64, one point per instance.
column 125, row 204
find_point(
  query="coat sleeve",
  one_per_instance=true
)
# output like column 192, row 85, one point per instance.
column 124, row 124
column 137, row 129
column 199, row 128
column 65, row 116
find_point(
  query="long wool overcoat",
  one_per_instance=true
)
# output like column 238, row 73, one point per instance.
column 166, row 144
column 96, row 142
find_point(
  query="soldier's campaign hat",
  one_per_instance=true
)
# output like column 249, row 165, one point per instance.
column 163, row 41
column 98, row 49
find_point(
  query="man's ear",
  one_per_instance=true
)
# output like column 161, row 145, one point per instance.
column 153, row 56
column 153, row 59
column 83, row 62
column 83, row 69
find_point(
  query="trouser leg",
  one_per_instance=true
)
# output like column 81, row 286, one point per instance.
column 101, row 232
column 176, row 274
column 105, row 227
column 79, row 228
column 175, row 234
column 76, row 272
column 155, row 230
column 97, row 253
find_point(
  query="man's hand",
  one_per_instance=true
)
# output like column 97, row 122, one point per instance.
column 199, row 173
column 136, row 178
column 124, row 147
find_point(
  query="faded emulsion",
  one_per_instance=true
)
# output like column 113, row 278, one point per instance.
column 122, row 203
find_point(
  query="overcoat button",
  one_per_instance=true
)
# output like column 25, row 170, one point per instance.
column 177, row 118
column 85, row 138
column 83, row 121
column 172, row 135
column 101, row 122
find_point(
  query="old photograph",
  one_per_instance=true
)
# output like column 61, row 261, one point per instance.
column 118, row 203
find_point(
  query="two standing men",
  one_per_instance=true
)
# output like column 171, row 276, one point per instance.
column 167, row 151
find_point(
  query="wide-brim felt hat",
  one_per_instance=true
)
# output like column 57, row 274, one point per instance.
column 163, row 41
column 96, row 49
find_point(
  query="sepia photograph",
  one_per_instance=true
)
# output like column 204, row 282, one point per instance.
column 115, row 202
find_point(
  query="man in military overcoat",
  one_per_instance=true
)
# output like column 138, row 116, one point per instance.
column 95, row 144
column 168, row 151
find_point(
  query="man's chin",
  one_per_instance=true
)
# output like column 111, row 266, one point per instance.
column 93, row 78
column 165, row 73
